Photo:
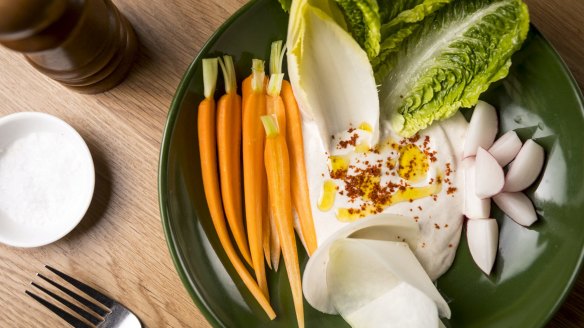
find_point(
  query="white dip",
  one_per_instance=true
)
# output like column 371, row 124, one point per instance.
column 417, row 177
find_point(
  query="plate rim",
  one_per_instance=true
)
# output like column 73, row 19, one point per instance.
column 192, row 287
column 162, row 166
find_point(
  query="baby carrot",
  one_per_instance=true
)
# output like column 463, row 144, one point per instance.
column 278, row 173
column 275, row 249
column 299, row 185
column 208, row 153
column 229, row 149
column 295, row 142
column 254, row 177
column 266, row 236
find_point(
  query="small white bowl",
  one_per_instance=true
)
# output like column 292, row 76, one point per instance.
column 24, row 234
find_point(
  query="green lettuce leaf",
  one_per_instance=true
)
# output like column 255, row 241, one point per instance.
column 450, row 59
column 362, row 17
column 395, row 31
column 286, row 4
column 389, row 9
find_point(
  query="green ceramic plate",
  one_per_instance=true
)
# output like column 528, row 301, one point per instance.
column 535, row 267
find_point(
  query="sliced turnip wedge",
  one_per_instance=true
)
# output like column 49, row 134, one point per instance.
column 474, row 207
column 489, row 175
column 483, row 238
column 517, row 206
column 362, row 273
column 525, row 168
column 382, row 226
column 482, row 129
column 506, row 148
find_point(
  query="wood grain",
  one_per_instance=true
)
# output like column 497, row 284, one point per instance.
column 119, row 247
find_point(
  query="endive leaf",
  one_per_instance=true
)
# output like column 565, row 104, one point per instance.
column 330, row 74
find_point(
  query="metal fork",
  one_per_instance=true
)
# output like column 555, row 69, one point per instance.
column 115, row 316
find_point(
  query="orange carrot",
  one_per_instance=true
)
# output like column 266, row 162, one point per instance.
column 275, row 249
column 254, row 178
column 278, row 173
column 229, row 149
column 295, row 142
column 266, row 236
column 299, row 185
column 208, row 154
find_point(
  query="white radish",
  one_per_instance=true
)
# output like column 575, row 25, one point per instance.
column 525, row 168
column 489, row 175
column 388, row 226
column 506, row 148
column 361, row 270
column 474, row 207
column 483, row 239
column 517, row 206
column 482, row 129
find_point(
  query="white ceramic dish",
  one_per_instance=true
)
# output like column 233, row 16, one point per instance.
column 21, row 125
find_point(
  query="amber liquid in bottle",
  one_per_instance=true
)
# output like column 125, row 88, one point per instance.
column 86, row 45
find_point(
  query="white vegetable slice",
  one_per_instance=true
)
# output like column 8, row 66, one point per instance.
column 382, row 226
column 402, row 306
column 482, row 129
column 506, row 148
column 525, row 168
column 361, row 271
column 474, row 207
column 517, row 206
column 483, row 239
column 334, row 94
column 489, row 175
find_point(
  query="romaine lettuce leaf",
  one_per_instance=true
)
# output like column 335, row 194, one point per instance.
column 450, row 59
column 399, row 28
column 285, row 4
column 364, row 23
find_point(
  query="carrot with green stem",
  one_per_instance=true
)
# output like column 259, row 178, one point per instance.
column 229, row 149
column 254, row 175
column 278, row 173
column 208, row 154
column 295, row 141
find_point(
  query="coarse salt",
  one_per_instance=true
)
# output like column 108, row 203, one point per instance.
column 41, row 179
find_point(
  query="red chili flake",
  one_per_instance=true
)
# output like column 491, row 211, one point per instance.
column 451, row 191
column 450, row 245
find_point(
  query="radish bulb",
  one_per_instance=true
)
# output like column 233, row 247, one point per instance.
column 483, row 239
column 506, row 148
column 382, row 226
column 489, row 176
column 525, row 168
column 381, row 284
column 474, row 207
column 482, row 129
column 517, row 206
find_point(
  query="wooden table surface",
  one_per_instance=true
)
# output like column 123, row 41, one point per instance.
column 119, row 246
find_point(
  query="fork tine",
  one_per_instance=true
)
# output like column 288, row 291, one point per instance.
column 70, row 305
column 108, row 302
column 94, row 307
column 64, row 315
